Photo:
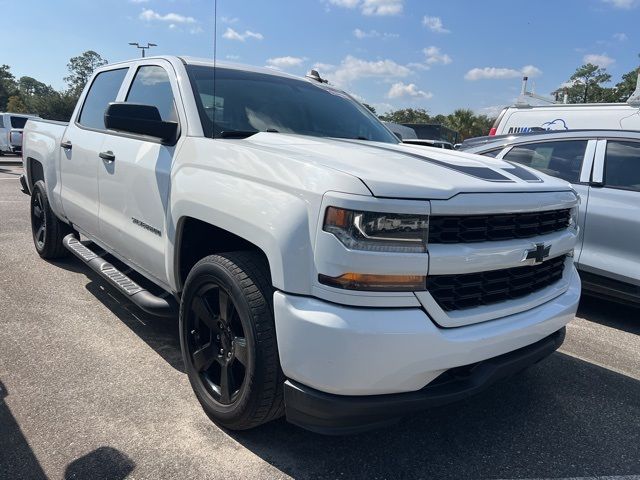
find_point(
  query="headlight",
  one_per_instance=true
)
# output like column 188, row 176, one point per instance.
column 573, row 218
column 378, row 232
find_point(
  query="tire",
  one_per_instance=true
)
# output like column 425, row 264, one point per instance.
column 47, row 229
column 232, row 358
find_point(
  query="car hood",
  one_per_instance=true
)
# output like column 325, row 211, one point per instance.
column 407, row 171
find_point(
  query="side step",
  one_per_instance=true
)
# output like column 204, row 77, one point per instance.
column 164, row 307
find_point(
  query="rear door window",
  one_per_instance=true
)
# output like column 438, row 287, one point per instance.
column 103, row 91
column 622, row 165
column 151, row 86
column 561, row 159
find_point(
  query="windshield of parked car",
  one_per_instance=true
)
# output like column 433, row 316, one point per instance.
column 245, row 103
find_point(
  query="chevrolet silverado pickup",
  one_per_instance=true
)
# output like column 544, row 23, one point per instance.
column 321, row 269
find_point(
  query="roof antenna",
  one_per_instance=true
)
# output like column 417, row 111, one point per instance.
column 215, row 44
column 314, row 75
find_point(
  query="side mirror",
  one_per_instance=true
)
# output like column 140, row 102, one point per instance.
column 141, row 120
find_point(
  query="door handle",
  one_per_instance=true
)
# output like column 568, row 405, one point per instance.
column 107, row 156
column 66, row 145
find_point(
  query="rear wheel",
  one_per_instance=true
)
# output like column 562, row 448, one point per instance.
column 228, row 340
column 48, row 231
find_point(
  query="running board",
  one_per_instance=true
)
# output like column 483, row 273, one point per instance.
column 164, row 307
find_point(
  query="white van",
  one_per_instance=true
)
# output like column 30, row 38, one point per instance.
column 11, row 125
column 595, row 116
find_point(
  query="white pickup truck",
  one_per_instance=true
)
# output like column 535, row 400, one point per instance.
column 261, row 204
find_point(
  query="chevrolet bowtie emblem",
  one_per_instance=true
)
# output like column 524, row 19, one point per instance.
column 539, row 253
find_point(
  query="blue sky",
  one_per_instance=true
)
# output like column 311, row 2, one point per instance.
column 390, row 53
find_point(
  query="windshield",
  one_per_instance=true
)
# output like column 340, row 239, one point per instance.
column 247, row 102
column 18, row 122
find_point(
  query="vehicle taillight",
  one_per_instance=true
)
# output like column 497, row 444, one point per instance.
column 493, row 131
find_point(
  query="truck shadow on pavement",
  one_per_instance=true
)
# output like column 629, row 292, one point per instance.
column 18, row 461
column 161, row 334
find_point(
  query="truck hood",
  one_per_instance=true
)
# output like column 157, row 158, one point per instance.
column 407, row 171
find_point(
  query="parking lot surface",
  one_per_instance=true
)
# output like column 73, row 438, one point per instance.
column 91, row 387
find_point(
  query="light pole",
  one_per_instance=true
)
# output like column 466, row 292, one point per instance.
column 142, row 47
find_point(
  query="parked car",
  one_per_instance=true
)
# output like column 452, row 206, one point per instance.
column 322, row 269
column 408, row 135
column 11, row 125
column 604, row 167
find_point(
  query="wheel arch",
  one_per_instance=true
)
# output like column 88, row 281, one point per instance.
column 196, row 238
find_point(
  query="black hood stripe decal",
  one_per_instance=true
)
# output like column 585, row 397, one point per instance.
column 483, row 173
column 521, row 173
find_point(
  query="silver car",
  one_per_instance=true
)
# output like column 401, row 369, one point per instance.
column 604, row 168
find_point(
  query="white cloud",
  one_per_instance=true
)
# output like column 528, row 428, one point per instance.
column 138, row 1
column 232, row 57
column 150, row 15
column 196, row 30
column 345, row 3
column 352, row 68
column 496, row 73
column 400, row 89
column 602, row 60
column 229, row 20
column 382, row 7
column 361, row 34
column 531, row 71
column 323, row 67
column 372, row 7
column 231, row 34
column 621, row 37
column 285, row 62
column 434, row 24
column 623, row 4
column 434, row 56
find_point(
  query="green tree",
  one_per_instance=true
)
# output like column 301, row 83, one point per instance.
column 81, row 68
column 371, row 109
column 586, row 85
column 16, row 105
column 407, row 115
column 7, row 86
column 463, row 121
column 626, row 86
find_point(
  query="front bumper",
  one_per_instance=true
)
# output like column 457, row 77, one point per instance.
column 339, row 415
column 361, row 352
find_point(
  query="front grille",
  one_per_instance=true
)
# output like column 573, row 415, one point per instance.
column 484, row 228
column 468, row 290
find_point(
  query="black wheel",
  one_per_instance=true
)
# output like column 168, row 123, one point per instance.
column 48, row 231
column 228, row 340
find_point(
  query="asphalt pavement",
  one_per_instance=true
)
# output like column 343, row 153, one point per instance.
column 91, row 387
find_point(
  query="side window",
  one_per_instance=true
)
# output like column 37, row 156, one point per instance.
column 103, row 91
column 622, row 165
column 561, row 159
column 151, row 86
column 1, row 121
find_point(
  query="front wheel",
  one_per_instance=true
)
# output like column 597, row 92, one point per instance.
column 47, row 229
column 228, row 340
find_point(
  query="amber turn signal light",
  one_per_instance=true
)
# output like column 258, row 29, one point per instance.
column 369, row 282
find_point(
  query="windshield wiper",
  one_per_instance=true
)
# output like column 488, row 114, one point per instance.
column 237, row 133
